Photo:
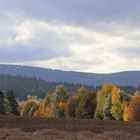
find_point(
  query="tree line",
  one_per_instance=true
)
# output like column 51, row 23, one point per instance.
column 108, row 103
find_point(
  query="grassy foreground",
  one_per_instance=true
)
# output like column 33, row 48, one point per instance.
column 17, row 128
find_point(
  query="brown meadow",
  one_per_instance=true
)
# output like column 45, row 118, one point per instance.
column 24, row 128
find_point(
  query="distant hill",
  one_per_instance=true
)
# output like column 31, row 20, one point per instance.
column 131, row 78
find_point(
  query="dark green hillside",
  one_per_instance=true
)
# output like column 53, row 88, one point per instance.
column 24, row 86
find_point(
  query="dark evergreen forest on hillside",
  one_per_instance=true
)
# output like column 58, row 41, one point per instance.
column 24, row 86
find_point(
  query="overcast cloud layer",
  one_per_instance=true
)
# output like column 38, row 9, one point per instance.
column 89, row 35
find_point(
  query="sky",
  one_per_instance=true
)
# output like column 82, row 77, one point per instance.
column 99, row 36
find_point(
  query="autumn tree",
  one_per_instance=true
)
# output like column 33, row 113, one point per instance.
column 56, row 106
column 102, row 96
column 86, row 105
column 60, row 94
column 126, row 114
column 107, row 108
column 125, row 103
column 81, row 105
column 132, row 112
column 29, row 107
column 71, row 106
column 45, row 106
column 80, row 111
column 116, row 110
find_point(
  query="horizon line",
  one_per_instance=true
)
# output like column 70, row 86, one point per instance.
column 41, row 67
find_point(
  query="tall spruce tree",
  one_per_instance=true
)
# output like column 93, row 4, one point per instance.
column 2, row 110
column 12, row 102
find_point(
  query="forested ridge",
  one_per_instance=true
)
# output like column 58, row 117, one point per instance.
column 24, row 86
column 131, row 78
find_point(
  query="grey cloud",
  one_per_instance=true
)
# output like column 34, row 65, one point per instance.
column 129, row 53
column 75, row 11
column 27, row 53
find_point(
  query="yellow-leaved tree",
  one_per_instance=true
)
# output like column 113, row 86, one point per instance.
column 102, row 96
column 45, row 107
column 116, row 109
column 29, row 107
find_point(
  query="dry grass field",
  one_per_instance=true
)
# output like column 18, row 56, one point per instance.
column 16, row 128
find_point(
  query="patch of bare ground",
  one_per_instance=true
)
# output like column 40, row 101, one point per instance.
column 17, row 128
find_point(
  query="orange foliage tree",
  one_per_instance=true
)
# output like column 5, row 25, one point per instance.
column 44, row 108
column 132, row 112
column 82, row 105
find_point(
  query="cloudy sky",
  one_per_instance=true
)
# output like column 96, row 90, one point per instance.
column 80, row 35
